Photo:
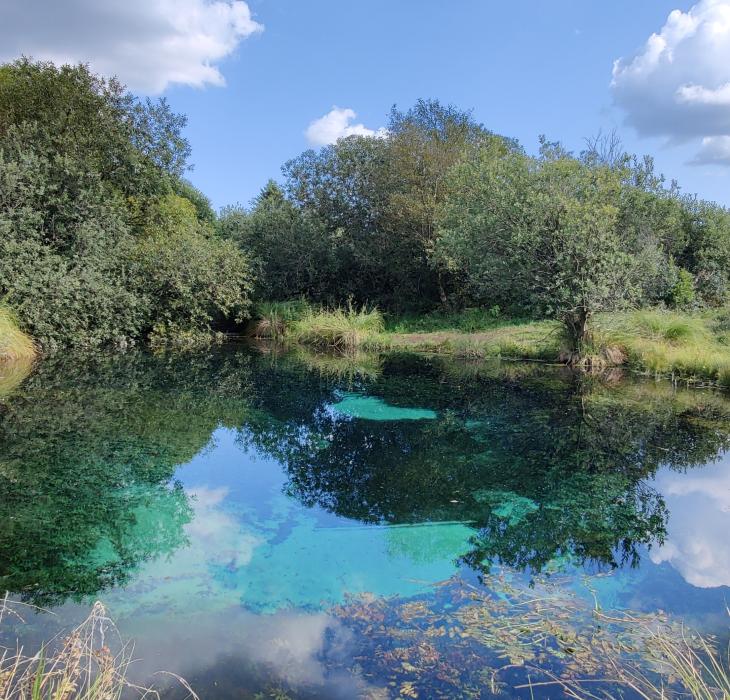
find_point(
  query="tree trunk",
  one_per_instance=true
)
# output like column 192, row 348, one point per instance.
column 442, row 292
column 576, row 324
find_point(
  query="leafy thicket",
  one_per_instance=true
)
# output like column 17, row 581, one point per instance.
column 358, row 219
column 440, row 213
column 101, row 239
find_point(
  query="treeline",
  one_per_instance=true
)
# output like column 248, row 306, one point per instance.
column 444, row 213
column 102, row 239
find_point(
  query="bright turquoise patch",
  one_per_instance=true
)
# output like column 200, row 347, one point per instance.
column 508, row 505
column 373, row 408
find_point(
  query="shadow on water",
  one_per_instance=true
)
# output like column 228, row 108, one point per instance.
column 542, row 468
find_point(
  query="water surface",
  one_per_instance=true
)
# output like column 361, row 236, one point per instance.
column 298, row 526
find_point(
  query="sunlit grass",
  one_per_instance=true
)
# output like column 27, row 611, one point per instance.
column 688, row 347
column 342, row 328
column 14, row 344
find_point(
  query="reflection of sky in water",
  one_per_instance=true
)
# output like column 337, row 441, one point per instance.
column 255, row 580
column 252, row 587
column 698, row 540
column 252, row 546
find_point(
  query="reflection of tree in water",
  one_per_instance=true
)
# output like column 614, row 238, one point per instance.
column 88, row 448
column 544, row 464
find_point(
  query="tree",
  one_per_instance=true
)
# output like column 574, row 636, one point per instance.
column 191, row 278
column 87, row 181
column 379, row 199
column 541, row 234
column 423, row 144
column 292, row 252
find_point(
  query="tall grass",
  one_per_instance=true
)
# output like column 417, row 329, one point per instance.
column 81, row 666
column 688, row 347
column 274, row 319
column 343, row 328
column 14, row 344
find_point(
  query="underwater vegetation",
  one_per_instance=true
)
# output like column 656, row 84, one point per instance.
column 506, row 639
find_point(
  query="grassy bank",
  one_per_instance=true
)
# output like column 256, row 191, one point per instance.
column 691, row 347
column 14, row 344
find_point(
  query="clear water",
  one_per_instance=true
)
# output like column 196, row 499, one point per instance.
column 271, row 525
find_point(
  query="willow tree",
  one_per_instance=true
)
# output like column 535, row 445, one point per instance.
column 542, row 235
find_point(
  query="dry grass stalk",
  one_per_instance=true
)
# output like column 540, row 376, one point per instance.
column 81, row 666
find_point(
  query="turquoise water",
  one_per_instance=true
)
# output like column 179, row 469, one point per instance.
column 267, row 524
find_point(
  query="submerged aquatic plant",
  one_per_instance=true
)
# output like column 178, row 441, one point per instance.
column 516, row 640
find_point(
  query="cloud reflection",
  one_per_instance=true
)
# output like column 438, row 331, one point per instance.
column 697, row 544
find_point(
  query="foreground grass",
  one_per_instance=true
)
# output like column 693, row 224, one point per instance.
column 690, row 347
column 80, row 666
column 14, row 344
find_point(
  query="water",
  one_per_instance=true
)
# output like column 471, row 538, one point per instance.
column 304, row 526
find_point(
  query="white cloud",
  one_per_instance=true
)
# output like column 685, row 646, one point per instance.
column 336, row 124
column 715, row 150
column 699, row 521
column 148, row 44
column 678, row 85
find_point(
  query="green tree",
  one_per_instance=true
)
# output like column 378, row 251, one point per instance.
column 291, row 251
column 379, row 199
column 541, row 234
column 191, row 278
column 88, row 179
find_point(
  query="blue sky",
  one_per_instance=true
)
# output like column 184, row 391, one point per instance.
column 525, row 67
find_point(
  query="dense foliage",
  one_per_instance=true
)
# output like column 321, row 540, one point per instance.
column 358, row 219
column 101, row 240
column 442, row 213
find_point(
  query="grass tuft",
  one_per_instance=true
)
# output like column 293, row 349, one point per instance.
column 273, row 319
column 81, row 666
column 14, row 344
column 688, row 347
column 343, row 328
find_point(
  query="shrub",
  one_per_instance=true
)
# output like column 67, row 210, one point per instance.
column 191, row 279
column 682, row 294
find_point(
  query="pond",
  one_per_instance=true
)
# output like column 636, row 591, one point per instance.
column 288, row 525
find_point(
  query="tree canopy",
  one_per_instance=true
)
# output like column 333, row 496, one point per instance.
column 101, row 239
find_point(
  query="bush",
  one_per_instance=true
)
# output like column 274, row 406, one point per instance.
column 95, row 247
column 682, row 294
column 191, row 279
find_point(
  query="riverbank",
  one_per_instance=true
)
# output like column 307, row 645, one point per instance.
column 690, row 347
